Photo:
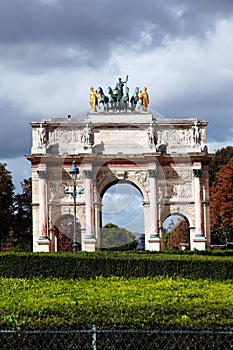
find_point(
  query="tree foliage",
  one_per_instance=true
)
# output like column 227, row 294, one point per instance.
column 15, row 212
column 114, row 236
column 6, row 202
column 22, row 223
column 179, row 235
column 221, row 157
column 221, row 204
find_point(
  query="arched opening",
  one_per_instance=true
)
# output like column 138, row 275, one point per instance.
column 122, row 205
column 176, row 233
column 64, row 231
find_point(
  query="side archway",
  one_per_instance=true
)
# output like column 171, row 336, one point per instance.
column 176, row 232
column 64, row 231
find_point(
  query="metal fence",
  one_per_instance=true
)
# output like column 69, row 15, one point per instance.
column 99, row 338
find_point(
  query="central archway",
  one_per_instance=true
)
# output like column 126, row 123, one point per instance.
column 122, row 205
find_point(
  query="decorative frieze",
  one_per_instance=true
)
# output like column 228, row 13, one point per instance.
column 172, row 173
column 176, row 191
column 56, row 190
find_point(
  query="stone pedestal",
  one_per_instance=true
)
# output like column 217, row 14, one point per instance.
column 89, row 244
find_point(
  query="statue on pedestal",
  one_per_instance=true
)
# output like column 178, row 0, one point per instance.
column 93, row 99
column 144, row 98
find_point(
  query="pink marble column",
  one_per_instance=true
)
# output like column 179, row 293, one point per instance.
column 43, row 211
column 97, row 213
column 153, row 203
column 198, row 201
column 89, row 203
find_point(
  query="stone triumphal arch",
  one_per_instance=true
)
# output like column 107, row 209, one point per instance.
column 166, row 159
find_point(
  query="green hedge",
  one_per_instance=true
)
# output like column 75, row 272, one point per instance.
column 126, row 264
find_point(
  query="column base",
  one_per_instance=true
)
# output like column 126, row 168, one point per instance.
column 199, row 236
column 154, row 236
column 199, row 243
column 43, row 244
column 153, row 243
column 89, row 243
column 43, row 240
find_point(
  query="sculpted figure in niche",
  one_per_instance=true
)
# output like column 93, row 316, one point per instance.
column 196, row 132
column 87, row 135
column 93, row 99
column 144, row 98
column 42, row 135
column 151, row 135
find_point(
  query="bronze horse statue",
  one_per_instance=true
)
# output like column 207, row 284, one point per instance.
column 112, row 99
column 102, row 98
column 134, row 99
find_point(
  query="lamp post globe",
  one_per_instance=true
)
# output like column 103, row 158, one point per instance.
column 74, row 171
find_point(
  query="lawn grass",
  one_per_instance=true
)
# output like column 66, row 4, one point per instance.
column 158, row 301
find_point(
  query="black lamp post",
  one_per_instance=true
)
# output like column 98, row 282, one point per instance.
column 74, row 172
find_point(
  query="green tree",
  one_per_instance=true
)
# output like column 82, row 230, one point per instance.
column 114, row 236
column 22, row 220
column 6, row 203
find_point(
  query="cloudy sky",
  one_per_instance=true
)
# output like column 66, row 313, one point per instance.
column 52, row 51
column 123, row 206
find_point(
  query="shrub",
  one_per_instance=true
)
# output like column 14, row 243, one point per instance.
column 216, row 265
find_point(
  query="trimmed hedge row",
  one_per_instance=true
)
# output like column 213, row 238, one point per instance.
column 125, row 264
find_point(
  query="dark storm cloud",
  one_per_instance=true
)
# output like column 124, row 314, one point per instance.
column 216, row 108
column 15, row 135
column 37, row 36
column 61, row 33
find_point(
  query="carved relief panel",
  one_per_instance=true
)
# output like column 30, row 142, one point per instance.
column 176, row 186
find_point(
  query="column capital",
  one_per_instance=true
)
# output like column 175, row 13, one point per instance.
column 197, row 172
column 197, row 169
column 42, row 174
column 152, row 173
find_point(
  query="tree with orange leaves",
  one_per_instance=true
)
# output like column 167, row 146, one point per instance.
column 221, row 205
